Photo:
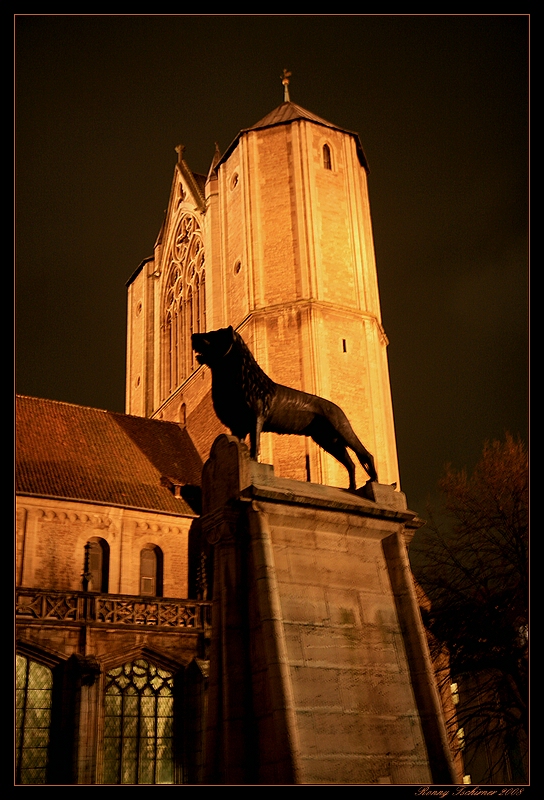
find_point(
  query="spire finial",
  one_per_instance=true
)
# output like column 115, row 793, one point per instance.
column 180, row 148
column 285, row 80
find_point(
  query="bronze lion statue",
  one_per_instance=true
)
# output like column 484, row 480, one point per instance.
column 247, row 401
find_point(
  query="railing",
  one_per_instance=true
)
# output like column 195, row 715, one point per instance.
column 37, row 605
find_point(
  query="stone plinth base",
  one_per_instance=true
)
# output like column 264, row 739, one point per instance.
column 319, row 669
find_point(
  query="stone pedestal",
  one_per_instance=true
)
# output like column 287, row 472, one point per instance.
column 319, row 668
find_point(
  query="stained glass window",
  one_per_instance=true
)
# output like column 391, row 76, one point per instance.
column 138, row 727
column 34, row 686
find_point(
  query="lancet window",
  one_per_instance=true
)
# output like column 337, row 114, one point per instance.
column 184, row 304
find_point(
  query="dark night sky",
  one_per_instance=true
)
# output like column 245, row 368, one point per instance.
column 441, row 106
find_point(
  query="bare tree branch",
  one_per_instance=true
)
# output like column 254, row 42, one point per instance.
column 474, row 571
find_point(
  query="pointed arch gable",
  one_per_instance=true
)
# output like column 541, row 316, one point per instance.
column 49, row 657
column 190, row 184
column 185, row 192
column 160, row 658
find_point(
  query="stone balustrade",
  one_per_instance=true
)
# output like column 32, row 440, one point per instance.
column 35, row 605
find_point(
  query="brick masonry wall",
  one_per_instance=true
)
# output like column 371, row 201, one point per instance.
column 55, row 534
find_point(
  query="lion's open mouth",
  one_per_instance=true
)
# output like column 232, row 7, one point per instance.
column 200, row 345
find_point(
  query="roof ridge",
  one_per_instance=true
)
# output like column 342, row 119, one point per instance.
column 93, row 408
column 62, row 403
column 90, row 454
column 287, row 112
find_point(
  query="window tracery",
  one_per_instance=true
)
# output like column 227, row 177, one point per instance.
column 139, row 725
column 184, row 303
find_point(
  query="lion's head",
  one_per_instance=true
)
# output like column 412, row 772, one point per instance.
column 212, row 346
column 224, row 350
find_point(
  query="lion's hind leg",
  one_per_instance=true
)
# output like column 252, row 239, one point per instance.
column 367, row 463
column 332, row 444
column 345, row 434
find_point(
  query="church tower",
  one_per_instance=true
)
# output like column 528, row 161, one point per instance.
column 276, row 241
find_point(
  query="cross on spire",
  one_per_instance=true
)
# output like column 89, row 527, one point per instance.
column 285, row 80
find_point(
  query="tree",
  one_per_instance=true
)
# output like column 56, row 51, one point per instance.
column 474, row 571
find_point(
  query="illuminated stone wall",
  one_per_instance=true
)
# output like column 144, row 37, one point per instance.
column 51, row 538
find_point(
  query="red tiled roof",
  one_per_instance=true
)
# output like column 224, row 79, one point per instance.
column 65, row 450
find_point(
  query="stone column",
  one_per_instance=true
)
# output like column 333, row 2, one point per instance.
column 230, row 731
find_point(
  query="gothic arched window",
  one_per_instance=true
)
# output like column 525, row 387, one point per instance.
column 172, row 323
column 327, row 162
column 139, row 725
column 190, row 326
column 151, row 567
column 34, row 690
column 184, row 303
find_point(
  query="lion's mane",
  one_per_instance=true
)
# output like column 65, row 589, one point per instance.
column 257, row 388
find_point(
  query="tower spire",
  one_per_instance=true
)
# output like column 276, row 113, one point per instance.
column 285, row 80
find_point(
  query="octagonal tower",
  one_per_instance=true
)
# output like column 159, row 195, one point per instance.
column 276, row 241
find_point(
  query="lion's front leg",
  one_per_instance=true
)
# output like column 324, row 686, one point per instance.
column 255, row 439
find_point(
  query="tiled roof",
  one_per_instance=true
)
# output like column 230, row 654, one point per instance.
column 290, row 112
column 71, row 451
column 200, row 181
